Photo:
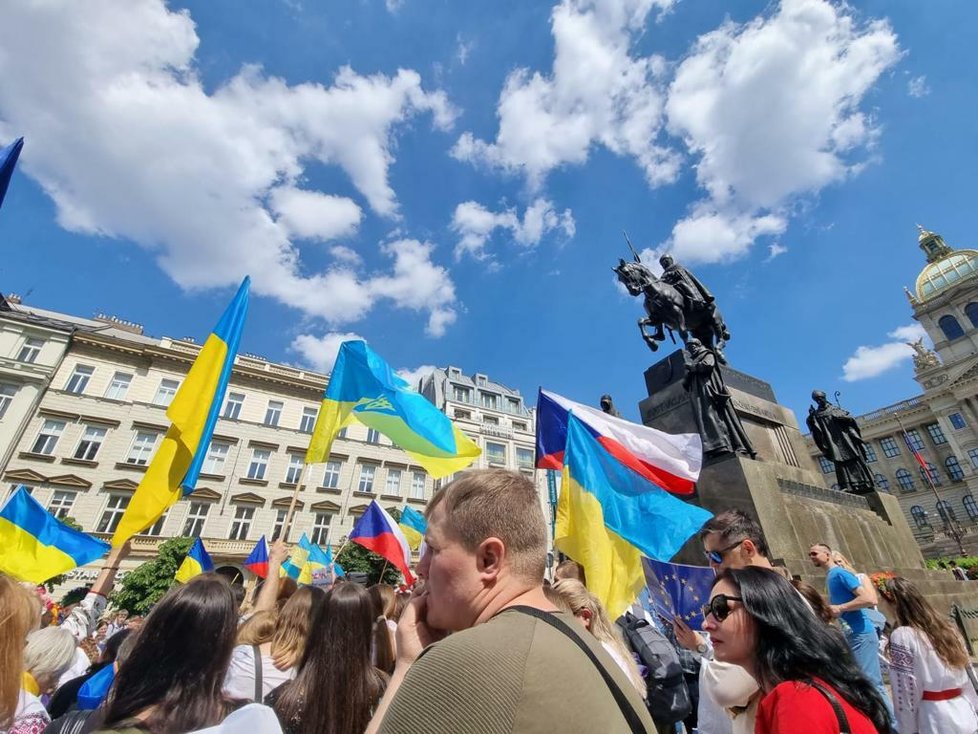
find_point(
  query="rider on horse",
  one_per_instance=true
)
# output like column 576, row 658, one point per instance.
column 696, row 294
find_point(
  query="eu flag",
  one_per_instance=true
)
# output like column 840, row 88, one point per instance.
column 679, row 591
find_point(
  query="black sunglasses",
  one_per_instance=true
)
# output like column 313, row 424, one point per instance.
column 716, row 556
column 719, row 606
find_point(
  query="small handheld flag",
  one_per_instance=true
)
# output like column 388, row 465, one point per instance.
column 677, row 590
column 35, row 545
column 257, row 561
column 8, row 159
column 196, row 563
column 414, row 526
column 294, row 563
column 377, row 531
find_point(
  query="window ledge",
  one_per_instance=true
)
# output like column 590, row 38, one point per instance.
column 125, row 465
column 391, row 497
column 37, row 457
column 416, row 501
column 364, row 494
column 212, row 477
column 79, row 462
column 329, row 490
column 254, row 482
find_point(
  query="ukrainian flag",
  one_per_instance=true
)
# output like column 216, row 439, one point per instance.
column 297, row 560
column 363, row 387
column 193, row 413
column 196, row 562
column 414, row 526
column 608, row 517
column 318, row 560
column 34, row 545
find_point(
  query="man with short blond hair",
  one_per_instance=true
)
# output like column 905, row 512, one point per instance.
column 483, row 566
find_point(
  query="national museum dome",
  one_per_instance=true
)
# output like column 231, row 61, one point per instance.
column 945, row 268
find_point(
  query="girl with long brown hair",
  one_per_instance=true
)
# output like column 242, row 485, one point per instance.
column 932, row 692
column 19, row 614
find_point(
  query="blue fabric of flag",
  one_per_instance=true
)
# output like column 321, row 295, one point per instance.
column 677, row 590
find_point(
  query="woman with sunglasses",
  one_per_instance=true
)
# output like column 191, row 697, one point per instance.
column 807, row 675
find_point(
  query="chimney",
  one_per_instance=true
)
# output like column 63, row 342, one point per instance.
column 131, row 326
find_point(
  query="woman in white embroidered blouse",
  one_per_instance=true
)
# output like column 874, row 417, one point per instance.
column 932, row 691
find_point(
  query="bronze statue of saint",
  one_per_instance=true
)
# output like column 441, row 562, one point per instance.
column 716, row 418
column 684, row 281
column 609, row 407
column 837, row 436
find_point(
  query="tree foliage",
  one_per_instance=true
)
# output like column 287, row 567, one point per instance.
column 355, row 557
column 146, row 584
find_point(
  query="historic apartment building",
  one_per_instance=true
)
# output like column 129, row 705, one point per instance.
column 86, row 410
column 942, row 422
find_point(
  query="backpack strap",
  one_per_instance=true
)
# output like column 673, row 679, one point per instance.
column 840, row 714
column 258, row 680
column 627, row 710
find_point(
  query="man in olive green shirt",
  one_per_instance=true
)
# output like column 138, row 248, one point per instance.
column 503, row 669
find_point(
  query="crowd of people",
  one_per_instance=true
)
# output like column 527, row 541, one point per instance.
column 484, row 643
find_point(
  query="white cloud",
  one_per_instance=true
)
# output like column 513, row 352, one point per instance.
column 775, row 250
column 596, row 94
column 462, row 49
column 319, row 352
column 917, row 86
column 413, row 377
column 128, row 142
column 475, row 225
column 872, row 361
column 393, row 5
column 346, row 255
column 771, row 111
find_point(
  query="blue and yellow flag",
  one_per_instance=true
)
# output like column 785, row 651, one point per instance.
column 194, row 411
column 363, row 387
column 414, row 526
column 319, row 568
column 35, row 545
column 294, row 563
column 608, row 517
column 196, row 562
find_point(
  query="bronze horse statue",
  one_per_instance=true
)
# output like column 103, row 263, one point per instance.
column 665, row 307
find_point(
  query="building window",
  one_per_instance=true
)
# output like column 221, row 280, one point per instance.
column 79, row 379
column 882, row 482
column 7, row 392
column 294, row 472
column 951, row 328
column 273, row 412
column 914, row 439
column 308, row 421
column 342, row 433
column 490, row 420
column 193, row 526
column 114, row 511
column 373, row 436
column 393, row 486
column 463, row 414
column 936, row 434
column 946, row 512
column 890, row 447
column 142, row 448
column 513, row 404
column 61, row 503
column 905, row 480
column 241, row 525
column 973, row 455
column 825, row 465
column 460, row 394
column 519, row 426
column 48, row 437
column 331, row 478
column 320, row 528
column 217, row 455
column 524, row 458
column 119, row 386
column 957, row 421
column 90, row 443
column 495, row 453
column 232, row 406
column 971, row 311
column 417, row 485
column 156, row 529
column 954, row 470
column 870, row 452
column 919, row 516
column 259, row 463
column 29, row 350
column 935, row 478
column 279, row 527
column 490, row 401
column 366, row 483
column 166, row 392
column 970, row 506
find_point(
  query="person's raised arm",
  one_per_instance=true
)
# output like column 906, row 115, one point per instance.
column 277, row 553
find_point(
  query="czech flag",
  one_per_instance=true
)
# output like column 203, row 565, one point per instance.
column 608, row 518
column 35, row 545
column 194, row 411
column 196, row 563
column 377, row 531
column 414, row 526
column 670, row 461
column 257, row 562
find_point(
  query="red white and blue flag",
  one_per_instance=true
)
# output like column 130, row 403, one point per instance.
column 670, row 461
column 257, row 562
column 377, row 531
column 916, row 454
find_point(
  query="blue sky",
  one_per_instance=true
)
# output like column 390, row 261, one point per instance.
column 450, row 180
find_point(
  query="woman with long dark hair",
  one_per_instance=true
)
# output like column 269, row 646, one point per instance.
column 171, row 682
column 804, row 667
column 337, row 687
column 932, row 693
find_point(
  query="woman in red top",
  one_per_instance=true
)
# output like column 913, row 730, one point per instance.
column 757, row 620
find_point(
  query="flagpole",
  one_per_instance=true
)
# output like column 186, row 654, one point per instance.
column 383, row 571
column 303, row 476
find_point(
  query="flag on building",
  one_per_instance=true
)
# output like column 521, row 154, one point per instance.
column 608, row 517
column 377, row 531
column 297, row 559
column 196, row 562
column 35, row 545
column 670, row 461
column 916, row 455
column 362, row 387
column 414, row 526
column 677, row 590
column 257, row 560
column 194, row 411
column 8, row 159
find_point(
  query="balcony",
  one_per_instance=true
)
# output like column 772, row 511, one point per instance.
column 890, row 411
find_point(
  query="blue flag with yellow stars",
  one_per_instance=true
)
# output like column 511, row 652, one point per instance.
column 679, row 591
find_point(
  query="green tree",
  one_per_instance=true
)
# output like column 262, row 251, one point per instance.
column 146, row 585
column 355, row 557
column 60, row 578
